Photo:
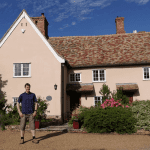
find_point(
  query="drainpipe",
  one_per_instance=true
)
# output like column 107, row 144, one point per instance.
column 62, row 92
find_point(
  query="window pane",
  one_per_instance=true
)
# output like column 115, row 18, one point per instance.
column 102, row 78
column 146, row 73
column 26, row 69
column 95, row 74
column 102, row 71
column 17, row 69
column 77, row 77
column 25, row 65
column 95, row 98
column 25, row 73
column 71, row 77
column 17, row 73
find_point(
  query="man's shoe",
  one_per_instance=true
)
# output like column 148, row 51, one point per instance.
column 21, row 141
column 35, row 141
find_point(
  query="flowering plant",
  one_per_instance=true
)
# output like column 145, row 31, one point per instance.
column 112, row 103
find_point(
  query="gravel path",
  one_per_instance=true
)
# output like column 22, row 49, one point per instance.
column 55, row 140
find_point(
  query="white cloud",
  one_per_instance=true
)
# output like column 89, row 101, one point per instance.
column 71, row 8
column 2, row 5
column 78, row 8
column 138, row 1
column 65, row 26
column 75, row 1
column 73, row 23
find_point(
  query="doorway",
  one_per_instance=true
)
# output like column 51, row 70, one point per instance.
column 129, row 94
column 74, row 100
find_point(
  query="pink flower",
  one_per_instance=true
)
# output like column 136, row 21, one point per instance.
column 113, row 103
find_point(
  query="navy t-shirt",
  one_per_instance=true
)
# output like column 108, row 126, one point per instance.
column 27, row 100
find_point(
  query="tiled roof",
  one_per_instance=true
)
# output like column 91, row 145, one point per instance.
column 104, row 50
column 101, row 50
column 128, row 86
column 80, row 87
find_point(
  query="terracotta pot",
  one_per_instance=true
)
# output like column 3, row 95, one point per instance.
column 76, row 124
column 37, row 124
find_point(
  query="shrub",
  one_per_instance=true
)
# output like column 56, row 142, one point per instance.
column 141, row 111
column 119, row 95
column 41, row 109
column 105, row 91
column 5, row 118
column 109, row 120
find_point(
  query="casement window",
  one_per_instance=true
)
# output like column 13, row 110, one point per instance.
column 99, row 75
column 146, row 73
column 15, row 100
column 21, row 70
column 75, row 77
column 97, row 99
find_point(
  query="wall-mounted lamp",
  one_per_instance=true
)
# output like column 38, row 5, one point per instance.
column 55, row 87
column 23, row 30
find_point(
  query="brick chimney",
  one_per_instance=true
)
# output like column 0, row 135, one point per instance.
column 42, row 24
column 120, row 25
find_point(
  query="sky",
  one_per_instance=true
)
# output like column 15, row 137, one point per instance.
column 79, row 17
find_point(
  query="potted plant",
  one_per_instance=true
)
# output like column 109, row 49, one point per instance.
column 40, row 111
column 76, row 122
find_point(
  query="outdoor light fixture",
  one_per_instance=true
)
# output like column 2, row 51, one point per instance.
column 55, row 86
column 23, row 30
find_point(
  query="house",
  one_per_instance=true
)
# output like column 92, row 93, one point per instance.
column 78, row 65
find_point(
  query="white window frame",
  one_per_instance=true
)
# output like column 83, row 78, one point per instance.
column 21, row 70
column 98, row 75
column 143, row 73
column 100, row 99
column 15, row 100
column 75, row 77
column 97, row 97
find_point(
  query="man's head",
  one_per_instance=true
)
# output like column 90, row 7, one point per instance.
column 27, row 87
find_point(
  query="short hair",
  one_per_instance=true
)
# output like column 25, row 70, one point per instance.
column 27, row 84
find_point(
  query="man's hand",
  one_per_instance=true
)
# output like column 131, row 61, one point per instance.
column 34, row 114
column 21, row 115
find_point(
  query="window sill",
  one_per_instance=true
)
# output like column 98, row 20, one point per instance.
column 21, row 76
column 98, row 81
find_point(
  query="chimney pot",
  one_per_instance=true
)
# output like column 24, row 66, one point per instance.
column 42, row 14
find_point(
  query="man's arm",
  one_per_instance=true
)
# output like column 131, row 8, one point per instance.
column 18, row 107
column 36, row 104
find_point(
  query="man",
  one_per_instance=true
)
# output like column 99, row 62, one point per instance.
column 28, row 112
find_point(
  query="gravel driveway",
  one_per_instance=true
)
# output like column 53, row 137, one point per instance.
column 48, row 140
